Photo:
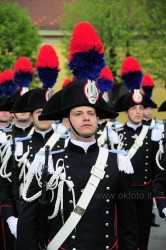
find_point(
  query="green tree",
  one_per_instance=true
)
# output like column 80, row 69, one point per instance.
column 126, row 27
column 18, row 36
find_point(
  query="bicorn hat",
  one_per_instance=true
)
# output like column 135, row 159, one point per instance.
column 77, row 93
column 162, row 107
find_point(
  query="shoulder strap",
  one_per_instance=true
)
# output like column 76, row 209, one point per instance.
column 97, row 174
column 51, row 141
column 138, row 141
column 153, row 122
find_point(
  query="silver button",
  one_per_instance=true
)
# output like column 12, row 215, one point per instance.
column 147, row 156
column 66, row 156
column 31, row 147
column 107, row 200
column 74, row 249
column 146, row 142
column 107, row 236
column 147, row 149
column 106, row 224
column 144, row 182
column 73, row 237
column 31, row 155
column 67, row 166
column 58, row 146
column 107, row 212
column 107, row 176
column 30, row 141
column 70, row 201
column 146, row 170
column 146, row 163
column 107, row 247
column 108, row 188
column 145, row 177
column 69, row 177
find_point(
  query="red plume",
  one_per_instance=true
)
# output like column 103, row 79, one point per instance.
column 47, row 57
column 23, row 64
column 147, row 81
column 106, row 73
column 84, row 38
column 7, row 76
column 130, row 64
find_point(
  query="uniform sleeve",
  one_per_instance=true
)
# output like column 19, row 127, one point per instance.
column 27, row 222
column 126, row 215
column 155, row 149
column 159, row 191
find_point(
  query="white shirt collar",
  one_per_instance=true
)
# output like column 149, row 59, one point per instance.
column 134, row 126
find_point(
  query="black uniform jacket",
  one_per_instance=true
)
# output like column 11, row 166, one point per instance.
column 96, row 229
column 143, row 161
column 6, row 198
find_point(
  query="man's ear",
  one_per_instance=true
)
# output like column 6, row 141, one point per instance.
column 66, row 123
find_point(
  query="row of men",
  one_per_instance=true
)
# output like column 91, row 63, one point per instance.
column 89, row 197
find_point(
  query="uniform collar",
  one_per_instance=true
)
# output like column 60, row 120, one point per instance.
column 43, row 135
column 134, row 126
column 80, row 148
column 19, row 129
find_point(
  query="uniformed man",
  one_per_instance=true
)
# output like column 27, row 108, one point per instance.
column 85, row 183
column 141, row 143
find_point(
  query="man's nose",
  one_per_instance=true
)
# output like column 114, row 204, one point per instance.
column 86, row 116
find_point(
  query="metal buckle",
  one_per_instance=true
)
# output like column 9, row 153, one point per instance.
column 79, row 210
column 99, row 173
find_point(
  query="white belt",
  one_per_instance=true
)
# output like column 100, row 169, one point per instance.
column 97, row 173
column 138, row 141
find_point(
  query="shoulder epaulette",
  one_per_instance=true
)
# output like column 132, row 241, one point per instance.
column 124, row 163
column 39, row 161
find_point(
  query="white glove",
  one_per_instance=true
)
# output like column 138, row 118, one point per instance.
column 164, row 211
column 12, row 223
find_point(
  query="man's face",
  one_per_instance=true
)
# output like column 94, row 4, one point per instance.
column 5, row 116
column 135, row 114
column 41, row 125
column 22, row 116
column 148, row 112
column 84, row 121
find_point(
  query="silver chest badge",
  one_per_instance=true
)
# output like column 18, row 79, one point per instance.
column 91, row 92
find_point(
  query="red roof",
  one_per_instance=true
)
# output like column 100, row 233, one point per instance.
column 45, row 14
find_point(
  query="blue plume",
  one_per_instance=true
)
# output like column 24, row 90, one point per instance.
column 8, row 88
column 48, row 76
column 148, row 91
column 23, row 79
column 104, row 85
column 133, row 80
column 87, row 65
